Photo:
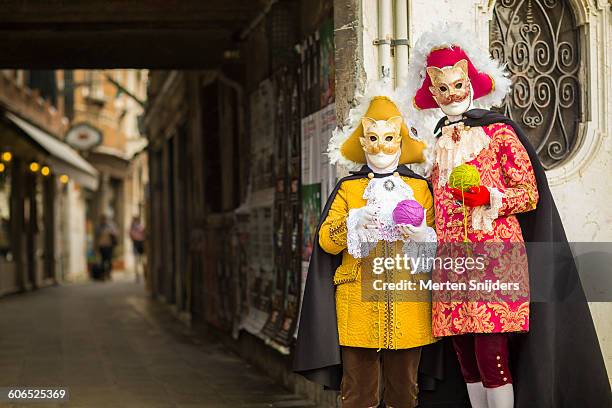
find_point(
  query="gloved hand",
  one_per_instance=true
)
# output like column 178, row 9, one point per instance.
column 474, row 197
column 366, row 219
column 416, row 233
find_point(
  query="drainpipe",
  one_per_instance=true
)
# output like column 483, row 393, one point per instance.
column 385, row 36
column 401, row 42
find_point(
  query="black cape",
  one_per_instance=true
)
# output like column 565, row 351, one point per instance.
column 558, row 363
column 317, row 350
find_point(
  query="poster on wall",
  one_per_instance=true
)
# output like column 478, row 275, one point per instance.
column 258, row 259
column 240, row 243
column 311, row 211
column 316, row 132
column 327, row 123
column 261, row 257
column 288, row 267
column 263, row 110
column 311, row 149
column 327, row 68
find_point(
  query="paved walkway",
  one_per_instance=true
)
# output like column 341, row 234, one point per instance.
column 114, row 348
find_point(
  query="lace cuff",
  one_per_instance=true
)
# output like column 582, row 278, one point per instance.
column 422, row 252
column 483, row 216
column 359, row 241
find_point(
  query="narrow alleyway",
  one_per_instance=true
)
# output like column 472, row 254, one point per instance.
column 113, row 347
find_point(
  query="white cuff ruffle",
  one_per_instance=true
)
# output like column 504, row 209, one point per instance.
column 483, row 216
column 355, row 246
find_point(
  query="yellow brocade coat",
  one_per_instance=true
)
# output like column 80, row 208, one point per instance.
column 392, row 321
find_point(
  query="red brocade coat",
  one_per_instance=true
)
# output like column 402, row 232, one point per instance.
column 503, row 164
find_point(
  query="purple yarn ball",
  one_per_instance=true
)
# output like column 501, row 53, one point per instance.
column 408, row 212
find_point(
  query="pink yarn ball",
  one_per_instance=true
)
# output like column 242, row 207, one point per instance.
column 408, row 212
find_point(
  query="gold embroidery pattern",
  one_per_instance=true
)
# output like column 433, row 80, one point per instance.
column 473, row 317
column 521, row 193
column 512, row 320
column 513, row 267
column 347, row 273
column 441, row 320
column 337, row 232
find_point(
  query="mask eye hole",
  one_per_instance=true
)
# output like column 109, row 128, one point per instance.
column 443, row 89
column 459, row 85
column 372, row 138
column 389, row 138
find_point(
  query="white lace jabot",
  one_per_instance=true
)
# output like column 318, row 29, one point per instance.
column 458, row 144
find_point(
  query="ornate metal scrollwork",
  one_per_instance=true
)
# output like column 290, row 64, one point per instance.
column 538, row 41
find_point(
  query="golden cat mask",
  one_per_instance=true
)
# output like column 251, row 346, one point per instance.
column 450, row 85
column 381, row 136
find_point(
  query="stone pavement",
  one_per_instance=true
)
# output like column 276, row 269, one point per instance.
column 113, row 347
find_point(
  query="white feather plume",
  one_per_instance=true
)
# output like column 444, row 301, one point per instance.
column 448, row 35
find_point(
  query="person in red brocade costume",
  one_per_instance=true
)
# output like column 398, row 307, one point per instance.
column 450, row 72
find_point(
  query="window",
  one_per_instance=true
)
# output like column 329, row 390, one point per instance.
column 538, row 41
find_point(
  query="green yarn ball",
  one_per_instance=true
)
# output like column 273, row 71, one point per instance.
column 464, row 177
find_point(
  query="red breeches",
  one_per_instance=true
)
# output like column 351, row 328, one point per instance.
column 484, row 358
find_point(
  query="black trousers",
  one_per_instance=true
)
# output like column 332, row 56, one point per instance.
column 106, row 255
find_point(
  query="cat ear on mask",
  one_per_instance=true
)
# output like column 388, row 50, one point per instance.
column 463, row 65
column 396, row 122
column 367, row 123
column 435, row 74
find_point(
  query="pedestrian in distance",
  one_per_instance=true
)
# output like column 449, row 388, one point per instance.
column 137, row 235
column 107, row 239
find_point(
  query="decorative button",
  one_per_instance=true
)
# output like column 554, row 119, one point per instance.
column 501, row 372
column 370, row 175
column 505, row 379
column 499, row 365
column 389, row 185
column 498, row 357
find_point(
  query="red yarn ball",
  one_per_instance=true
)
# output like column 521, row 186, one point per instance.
column 408, row 212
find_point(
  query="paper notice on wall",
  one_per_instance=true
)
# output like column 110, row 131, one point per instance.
column 262, row 104
column 327, row 123
column 311, row 212
column 316, row 132
column 257, row 266
column 263, row 111
column 311, row 149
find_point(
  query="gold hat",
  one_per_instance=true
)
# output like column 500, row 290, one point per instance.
column 383, row 108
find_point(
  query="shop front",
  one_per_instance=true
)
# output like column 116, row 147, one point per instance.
column 36, row 169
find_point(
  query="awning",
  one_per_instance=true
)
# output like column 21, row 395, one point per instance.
column 63, row 159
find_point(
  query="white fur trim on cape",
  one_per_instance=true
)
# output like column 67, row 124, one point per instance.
column 447, row 35
column 341, row 133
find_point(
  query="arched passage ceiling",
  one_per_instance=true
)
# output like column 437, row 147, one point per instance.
column 118, row 33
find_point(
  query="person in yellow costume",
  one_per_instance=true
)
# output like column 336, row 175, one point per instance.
column 380, row 334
